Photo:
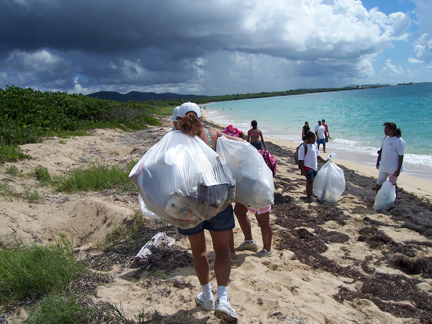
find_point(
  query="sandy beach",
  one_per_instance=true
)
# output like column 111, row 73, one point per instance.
column 331, row 263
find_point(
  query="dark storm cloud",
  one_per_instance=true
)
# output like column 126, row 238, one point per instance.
column 189, row 46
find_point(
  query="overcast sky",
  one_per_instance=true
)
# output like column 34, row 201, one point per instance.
column 212, row 47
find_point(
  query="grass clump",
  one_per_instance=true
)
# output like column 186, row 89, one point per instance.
column 55, row 309
column 36, row 271
column 32, row 196
column 95, row 178
column 42, row 175
column 13, row 171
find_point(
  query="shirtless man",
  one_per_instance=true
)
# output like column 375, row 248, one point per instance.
column 254, row 135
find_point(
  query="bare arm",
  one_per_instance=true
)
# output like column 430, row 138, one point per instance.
column 302, row 167
column 396, row 174
column 262, row 140
column 378, row 159
column 319, row 158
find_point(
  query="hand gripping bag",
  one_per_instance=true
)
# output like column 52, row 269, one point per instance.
column 329, row 184
column 254, row 179
column 385, row 197
column 183, row 181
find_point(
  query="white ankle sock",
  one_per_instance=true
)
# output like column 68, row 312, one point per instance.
column 250, row 241
column 222, row 292
column 207, row 292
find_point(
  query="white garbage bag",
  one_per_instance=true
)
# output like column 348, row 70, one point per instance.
column 183, row 181
column 385, row 197
column 329, row 184
column 254, row 179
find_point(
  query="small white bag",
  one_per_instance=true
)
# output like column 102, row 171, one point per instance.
column 385, row 197
column 329, row 184
column 254, row 179
column 183, row 181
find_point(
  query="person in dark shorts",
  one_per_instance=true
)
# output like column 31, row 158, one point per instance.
column 219, row 226
column 254, row 135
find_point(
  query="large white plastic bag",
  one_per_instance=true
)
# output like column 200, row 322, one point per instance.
column 385, row 197
column 254, row 179
column 183, row 181
column 329, row 184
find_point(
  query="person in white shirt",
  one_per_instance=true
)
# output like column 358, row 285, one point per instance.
column 390, row 156
column 320, row 132
column 308, row 156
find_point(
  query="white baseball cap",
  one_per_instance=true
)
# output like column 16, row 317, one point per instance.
column 187, row 107
column 174, row 116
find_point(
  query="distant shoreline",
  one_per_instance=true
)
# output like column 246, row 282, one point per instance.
column 416, row 184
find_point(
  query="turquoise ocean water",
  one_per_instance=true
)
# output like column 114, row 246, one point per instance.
column 354, row 118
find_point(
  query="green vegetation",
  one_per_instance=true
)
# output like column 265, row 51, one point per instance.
column 36, row 271
column 42, row 175
column 205, row 99
column 27, row 115
column 13, row 170
column 94, row 178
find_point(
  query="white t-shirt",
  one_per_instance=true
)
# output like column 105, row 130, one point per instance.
column 391, row 147
column 310, row 160
column 320, row 131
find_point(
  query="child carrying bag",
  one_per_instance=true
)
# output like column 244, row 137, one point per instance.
column 329, row 184
column 183, row 181
column 386, row 196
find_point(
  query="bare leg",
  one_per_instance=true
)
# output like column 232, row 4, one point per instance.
column 231, row 242
column 240, row 211
column 324, row 148
column 222, row 265
column 377, row 188
column 266, row 231
column 200, row 260
column 309, row 186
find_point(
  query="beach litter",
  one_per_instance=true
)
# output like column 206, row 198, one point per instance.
column 329, row 184
column 152, row 250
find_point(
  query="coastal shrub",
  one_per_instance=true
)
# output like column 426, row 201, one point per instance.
column 94, row 178
column 35, row 271
column 27, row 115
column 11, row 154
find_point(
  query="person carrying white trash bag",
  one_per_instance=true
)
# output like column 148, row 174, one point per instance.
column 329, row 184
column 220, row 225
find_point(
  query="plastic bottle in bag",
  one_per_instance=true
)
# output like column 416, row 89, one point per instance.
column 329, row 184
column 183, row 181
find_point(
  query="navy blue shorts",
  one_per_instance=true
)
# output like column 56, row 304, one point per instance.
column 224, row 221
column 258, row 145
column 320, row 141
column 311, row 174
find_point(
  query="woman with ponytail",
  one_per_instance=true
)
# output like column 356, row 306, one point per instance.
column 220, row 226
column 390, row 156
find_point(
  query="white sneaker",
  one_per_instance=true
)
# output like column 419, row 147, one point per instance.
column 248, row 246
column 225, row 312
column 263, row 253
column 207, row 304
